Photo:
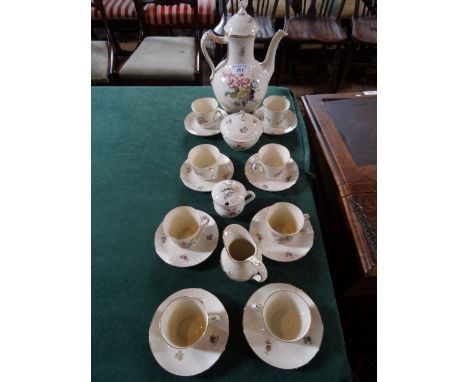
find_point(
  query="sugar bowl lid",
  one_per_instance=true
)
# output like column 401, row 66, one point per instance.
column 241, row 24
column 228, row 193
column 241, row 127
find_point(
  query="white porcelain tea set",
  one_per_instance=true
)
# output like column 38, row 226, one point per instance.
column 281, row 323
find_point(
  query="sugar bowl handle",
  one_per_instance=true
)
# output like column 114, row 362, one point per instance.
column 250, row 195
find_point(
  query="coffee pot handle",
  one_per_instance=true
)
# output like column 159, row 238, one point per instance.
column 218, row 39
column 261, row 269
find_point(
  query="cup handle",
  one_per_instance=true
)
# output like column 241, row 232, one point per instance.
column 257, row 165
column 261, row 269
column 204, row 221
column 218, row 114
column 213, row 318
column 249, row 197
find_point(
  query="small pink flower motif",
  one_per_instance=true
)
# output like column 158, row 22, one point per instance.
column 188, row 169
column 214, row 339
column 277, row 174
column 265, row 187
column 267, row 347
column 288, row 179
column 202, row 120
column 184, row 257
column 179, row 355
column 259, row 237
column 163, row 239
column 226, row 175
column 209, row 237
column 289, row 255
column 245, row 82
column 307, row 340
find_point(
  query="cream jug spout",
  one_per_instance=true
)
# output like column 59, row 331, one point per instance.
column 269, row 63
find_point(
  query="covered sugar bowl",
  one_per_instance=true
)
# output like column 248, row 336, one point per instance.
column 241, row 130
column 230, row 198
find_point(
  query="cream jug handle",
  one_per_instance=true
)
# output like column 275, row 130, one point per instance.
column 218, row 39
column 261, row 269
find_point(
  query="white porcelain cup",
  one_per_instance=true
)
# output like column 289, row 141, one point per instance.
column 286, row 315
column 275, row 109
column 183, row 225
column 204, row 160
column 272, row 160
column 285, row 220
column 207, row 112
column 184, row 322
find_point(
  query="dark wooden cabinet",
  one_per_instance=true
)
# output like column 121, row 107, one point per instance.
column 343, row 137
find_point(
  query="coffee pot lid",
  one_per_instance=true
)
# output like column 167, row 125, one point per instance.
column 241, row 24
column 228, row 193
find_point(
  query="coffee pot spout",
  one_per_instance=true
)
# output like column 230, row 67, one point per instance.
column 269, row 63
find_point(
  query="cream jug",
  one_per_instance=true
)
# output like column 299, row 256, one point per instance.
column 240, row 82
column 240, row 259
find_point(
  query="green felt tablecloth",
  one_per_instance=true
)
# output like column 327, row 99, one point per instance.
column 138, row 145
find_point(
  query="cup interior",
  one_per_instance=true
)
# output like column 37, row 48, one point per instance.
column 183, row 322
column 241, row 249
column 182, row 223
column 274, row 155
column 203, row 156
column 287, row 315
column 285, row 218
column 276, row 103
column 204, row 105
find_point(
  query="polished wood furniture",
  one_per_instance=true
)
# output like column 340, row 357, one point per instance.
column 343, row 136
column 161, row 57
column 362, row 47
column 103, row 52
column 307, row 24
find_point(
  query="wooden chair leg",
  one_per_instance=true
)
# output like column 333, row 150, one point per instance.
column 335, row 66
column 349, row 54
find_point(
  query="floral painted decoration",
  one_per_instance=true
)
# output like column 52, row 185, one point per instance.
column 214, row 339
column 184, row 257
column 267, row 346
column 259, row 237
column 307, row 340
column 242, row 88
column 289, row 255
column 179, row 355
column 202, row 120
column 163, row 239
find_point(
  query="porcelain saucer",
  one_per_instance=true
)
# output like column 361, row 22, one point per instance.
column 286, row 180
column 193, row 127
column 204, row 354
column 284, row 355
column 288, row 124
column 293, row 250
column 180, row 257
column 192, row 181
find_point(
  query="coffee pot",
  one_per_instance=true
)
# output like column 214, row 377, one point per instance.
column 240, row 82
